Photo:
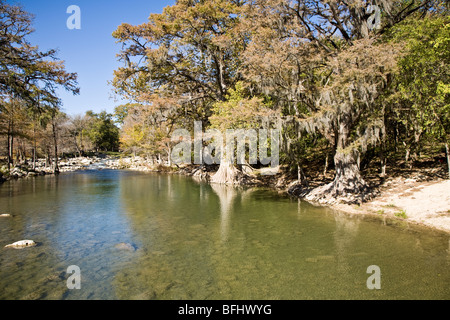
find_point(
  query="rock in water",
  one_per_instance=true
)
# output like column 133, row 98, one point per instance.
column 22, row 244
column 5, row 215
column 125, row 246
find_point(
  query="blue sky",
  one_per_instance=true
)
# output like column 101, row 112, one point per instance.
column 91, row 51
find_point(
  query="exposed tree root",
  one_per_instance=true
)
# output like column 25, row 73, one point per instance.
column 330, row 194
column 228, row 174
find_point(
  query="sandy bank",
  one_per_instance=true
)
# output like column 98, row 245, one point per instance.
column 424, row 203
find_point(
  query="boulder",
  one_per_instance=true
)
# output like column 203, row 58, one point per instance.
column 21, row 244
column 125, row 246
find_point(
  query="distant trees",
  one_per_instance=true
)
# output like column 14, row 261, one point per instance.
column 102, row 131
column 147, row 128
column 77, row 134
column 51, row 133
column 90, row 132
column 31, row 123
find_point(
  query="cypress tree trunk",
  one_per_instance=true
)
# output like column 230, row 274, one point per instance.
column 34, row 158
column 169, row 154
column 227, row 173
column 55, row 141
column 382, row 155
column 348, row 178
column 383, row 159
column 301, row 178
column 9, row 147
column 348, row 185
column 325, row 168
column 34, row 148
column 448, row 158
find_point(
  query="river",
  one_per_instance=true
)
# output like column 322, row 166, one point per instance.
column 191, row 240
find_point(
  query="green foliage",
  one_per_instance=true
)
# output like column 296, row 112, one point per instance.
column 422, row 95
column 238, row 111
column 102, row 131
column 4, row 171
column 121, row 112
column 401, row 214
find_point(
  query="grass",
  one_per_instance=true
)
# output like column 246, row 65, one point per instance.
column 401, row 214
column 4, row 170
column 380, row 211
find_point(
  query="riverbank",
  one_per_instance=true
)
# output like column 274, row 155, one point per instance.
column 26, row 170
column 425, row 203
column 416, row 200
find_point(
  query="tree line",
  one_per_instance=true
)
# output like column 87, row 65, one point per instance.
column 32, row 124
column 346, row 88
column 344, row 91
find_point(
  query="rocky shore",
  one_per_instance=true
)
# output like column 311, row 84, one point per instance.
column 75, row 164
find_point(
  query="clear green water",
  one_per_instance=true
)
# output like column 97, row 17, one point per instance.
column 197, row 241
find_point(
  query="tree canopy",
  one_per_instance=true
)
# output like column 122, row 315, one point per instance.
column 354, row 81
column 29, row 77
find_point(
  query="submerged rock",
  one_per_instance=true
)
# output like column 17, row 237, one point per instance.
column 21, row 244
column 5, row 215
column 125, row 246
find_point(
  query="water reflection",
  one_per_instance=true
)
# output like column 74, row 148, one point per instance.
column 345, row 234
column 227, row 196
column 199, row 241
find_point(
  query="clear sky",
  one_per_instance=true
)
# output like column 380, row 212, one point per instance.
column 91, row 51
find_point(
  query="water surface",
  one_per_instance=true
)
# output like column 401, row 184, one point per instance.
column 198, row 241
